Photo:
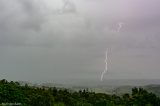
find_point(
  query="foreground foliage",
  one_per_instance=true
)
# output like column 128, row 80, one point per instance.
column 13, row 92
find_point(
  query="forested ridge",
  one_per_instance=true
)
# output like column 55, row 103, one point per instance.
column 12, row 92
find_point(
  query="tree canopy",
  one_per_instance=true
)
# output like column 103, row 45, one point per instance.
column 13, row 92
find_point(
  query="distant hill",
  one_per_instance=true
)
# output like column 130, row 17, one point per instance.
column 108, row 87
column 127, row 89
column 153, row 88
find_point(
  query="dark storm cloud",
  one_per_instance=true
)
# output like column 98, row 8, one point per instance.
column 51, row 39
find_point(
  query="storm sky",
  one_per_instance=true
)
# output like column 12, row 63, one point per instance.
column 44, row 40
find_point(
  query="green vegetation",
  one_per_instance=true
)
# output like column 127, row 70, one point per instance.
column 13, row 92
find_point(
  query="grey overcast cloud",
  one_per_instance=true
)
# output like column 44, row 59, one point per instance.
column 43, row 40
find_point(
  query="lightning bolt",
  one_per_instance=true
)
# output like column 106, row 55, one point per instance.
column 120, row 24
column 106, row 67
